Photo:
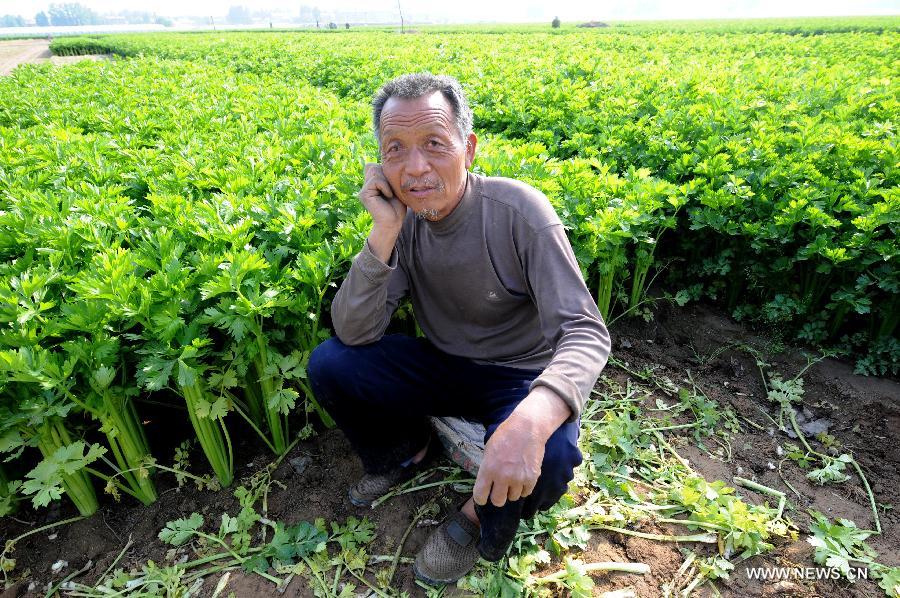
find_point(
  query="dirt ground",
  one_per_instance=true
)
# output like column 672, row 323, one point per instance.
column 34, row 51
column 864, row 415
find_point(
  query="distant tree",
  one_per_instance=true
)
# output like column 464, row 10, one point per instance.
column 555, row 23
column 41, row 19
column 346, row 25
column 332, row 25
column 72, row 13
column 239, row 15
column 136, row 17
column 12, row 21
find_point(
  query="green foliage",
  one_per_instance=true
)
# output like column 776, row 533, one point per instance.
column 779, row 187
column 288, row 545
column 79, row 46
column 175, row 223
column 890, row 582
column 8, row 494
column 179, row 531
column 842, row 545
column 832, row 470
column 250, row 541
column 747, row 526
column 190, row 271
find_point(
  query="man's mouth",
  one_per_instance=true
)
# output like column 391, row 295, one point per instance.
column 420, row 191
column 423, row 189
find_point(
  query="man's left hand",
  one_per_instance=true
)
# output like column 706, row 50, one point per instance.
column 512, row 463
column 515, row 451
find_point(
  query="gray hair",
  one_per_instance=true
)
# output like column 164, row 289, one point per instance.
column 416, row 85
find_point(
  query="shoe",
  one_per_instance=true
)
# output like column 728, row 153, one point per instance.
column 450, row 551
column 371, row 487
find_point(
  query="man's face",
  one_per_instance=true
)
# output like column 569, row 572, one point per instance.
column 422, row 155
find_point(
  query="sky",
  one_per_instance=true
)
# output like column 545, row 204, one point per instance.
column 502, row 10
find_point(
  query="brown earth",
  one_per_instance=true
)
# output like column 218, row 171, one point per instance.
column 864, row 412
column 865, row 417
column 34, row 51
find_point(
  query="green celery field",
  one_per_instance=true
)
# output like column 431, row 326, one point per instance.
column 772, row 157
column 174, row 222
column 170, row 226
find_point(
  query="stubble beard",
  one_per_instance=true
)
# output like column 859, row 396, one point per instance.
column 429, row 214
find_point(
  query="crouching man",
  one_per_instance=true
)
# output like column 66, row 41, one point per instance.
column 513, row 338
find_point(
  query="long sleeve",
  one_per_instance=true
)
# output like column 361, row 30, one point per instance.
column 569, row 318
column 366, row 300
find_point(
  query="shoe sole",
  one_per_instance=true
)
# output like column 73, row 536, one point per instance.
column 422, row 577
column 359, row 502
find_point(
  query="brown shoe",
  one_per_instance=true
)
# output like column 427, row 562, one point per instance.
column 450, row 551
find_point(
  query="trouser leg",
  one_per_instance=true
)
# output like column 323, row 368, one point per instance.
column 499, row 524
column 381, row 394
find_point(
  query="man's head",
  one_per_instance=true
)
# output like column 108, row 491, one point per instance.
column 423, row 124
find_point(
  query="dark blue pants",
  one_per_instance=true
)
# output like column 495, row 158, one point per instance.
column 381, row 394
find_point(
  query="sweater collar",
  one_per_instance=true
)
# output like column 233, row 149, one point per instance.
column 460, row 213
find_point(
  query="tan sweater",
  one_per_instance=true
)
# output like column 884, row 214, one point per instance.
column 495, row 281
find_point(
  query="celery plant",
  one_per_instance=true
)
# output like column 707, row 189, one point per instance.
column 182, row 361
column 244, row 304
column 8, row 497
column 34, row 418
column 64, row 463
column 109, row 401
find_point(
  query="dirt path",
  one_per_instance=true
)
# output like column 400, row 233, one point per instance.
column 20, row 51
column 30, row 51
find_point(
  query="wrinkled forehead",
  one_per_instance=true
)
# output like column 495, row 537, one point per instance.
column 401, row 115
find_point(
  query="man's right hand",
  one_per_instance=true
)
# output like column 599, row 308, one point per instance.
column 387, row 211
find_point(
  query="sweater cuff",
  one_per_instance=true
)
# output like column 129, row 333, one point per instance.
column 373, row 268
column 564, row 388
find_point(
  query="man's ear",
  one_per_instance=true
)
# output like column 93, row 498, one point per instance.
column 471, row 142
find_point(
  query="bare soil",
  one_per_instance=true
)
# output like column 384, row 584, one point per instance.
column 34, row 51
column 865, row 413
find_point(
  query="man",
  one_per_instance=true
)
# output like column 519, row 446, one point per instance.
column 513, row 338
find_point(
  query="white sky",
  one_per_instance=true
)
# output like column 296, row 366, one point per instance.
column 503, row 10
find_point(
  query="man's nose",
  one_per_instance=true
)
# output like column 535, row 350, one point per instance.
column 417, row 163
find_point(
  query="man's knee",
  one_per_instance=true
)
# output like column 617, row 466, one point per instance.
column 327, row 361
